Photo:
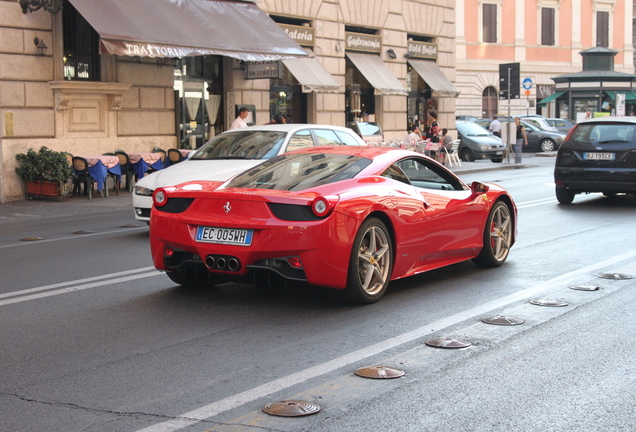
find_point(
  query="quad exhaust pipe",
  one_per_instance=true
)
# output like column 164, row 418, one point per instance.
column 222, row 262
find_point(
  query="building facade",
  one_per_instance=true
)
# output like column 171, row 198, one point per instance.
column 101, row 86
column 545, row 37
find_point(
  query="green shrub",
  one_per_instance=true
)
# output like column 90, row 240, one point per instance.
column 43, row 165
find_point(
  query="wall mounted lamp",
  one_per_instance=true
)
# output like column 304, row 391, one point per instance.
column 53, row 6
column 391, row 53
column 40, row 46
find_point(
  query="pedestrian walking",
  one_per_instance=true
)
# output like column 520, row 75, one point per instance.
column 495, row 127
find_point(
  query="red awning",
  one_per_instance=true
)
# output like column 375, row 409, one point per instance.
column 181, row 28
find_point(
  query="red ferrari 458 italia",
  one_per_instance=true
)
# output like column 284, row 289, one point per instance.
column 347, row 218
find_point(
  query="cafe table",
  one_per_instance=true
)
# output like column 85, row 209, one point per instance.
column 142, row 161
column 99, row 166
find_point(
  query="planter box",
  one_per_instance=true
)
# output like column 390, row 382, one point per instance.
column 44, row 188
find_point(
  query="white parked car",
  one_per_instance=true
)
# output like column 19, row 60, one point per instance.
column 235, row 151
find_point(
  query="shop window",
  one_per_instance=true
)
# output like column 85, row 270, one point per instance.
column 489, row 23
column 602, row 29
column 81, row 46
column 489, row 102
column 547, row 26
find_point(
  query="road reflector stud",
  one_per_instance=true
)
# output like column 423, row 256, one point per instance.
column 617, row 276
column 549, row 302
column 129, row 226
column 33, row 238
column 84, row 232
column 585, row 287
column 448, row 343
column 502, row 320
column 291, row 408
column 379, row 372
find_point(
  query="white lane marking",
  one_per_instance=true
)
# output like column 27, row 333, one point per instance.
column 78, row 285
column 192, row 417
column 537, row 202
column 74, row 236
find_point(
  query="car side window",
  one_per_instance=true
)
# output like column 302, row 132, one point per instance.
column 347, row 139
column 426, row 175
column 300, row 139
column 395, row 172
column 326, row 137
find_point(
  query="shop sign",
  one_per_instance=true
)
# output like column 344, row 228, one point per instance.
column 422, row 49
column 302, row 35
column 263, row 70
column 363, row 42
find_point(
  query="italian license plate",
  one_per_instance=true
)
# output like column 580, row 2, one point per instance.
column 233, row 236
column 499, row 153
column 599, row 156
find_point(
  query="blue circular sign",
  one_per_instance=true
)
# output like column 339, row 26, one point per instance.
column 527, row 83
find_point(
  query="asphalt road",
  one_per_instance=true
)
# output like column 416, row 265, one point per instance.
column 94, row 339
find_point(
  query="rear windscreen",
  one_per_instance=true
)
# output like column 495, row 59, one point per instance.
column 294, row 172
column 604, row 133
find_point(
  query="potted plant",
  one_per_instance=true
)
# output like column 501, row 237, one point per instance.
column 44, row 171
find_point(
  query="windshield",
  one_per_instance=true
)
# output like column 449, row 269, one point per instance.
column 296, row 172
column 242, row 145
column 471, row 129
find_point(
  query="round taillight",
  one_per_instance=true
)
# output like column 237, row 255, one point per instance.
column 321, row 206
column 160, row 197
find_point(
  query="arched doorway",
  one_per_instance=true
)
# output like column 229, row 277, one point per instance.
column 489, row 100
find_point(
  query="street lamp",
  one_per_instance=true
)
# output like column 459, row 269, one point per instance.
column 40, row 46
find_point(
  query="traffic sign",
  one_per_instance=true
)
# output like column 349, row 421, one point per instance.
column 527, row 84
column 509, row 79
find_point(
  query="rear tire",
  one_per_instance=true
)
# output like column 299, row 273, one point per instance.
column 564, row 196
column 498, row 234
column 370, row 264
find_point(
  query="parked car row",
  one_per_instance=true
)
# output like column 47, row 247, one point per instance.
column 538, row 139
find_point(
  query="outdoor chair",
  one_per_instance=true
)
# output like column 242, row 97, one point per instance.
column 174, row 156
column 127, row 169
column 82, row 177
column 452, row 155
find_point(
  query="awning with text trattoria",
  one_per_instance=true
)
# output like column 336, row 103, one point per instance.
column 312, row 75
column 378, row 75
column 181, row 28
column 435, row 78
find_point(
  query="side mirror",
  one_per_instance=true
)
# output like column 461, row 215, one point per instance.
column 478, row 188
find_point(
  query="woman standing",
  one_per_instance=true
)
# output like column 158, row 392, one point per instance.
column 522, row 139
column 433, row 129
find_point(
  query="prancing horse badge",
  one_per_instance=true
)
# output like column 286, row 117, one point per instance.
column 227, row 207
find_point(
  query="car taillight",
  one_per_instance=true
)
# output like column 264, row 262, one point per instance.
column 160, row 197
column 322, row 206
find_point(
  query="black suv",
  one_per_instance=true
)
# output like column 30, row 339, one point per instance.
column 598, row 155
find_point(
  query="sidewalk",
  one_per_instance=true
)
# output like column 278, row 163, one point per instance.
column 55, row 207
